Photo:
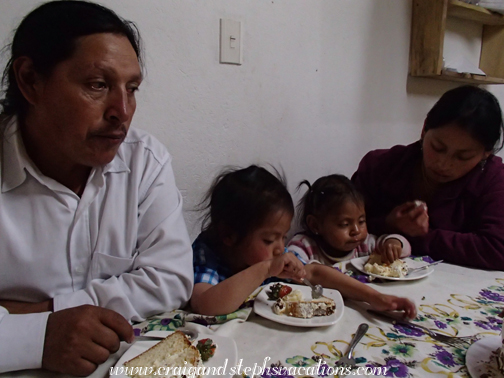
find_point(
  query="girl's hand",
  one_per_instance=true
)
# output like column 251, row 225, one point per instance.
column 287, row 265
column 410, row 218
column 390, row 250
column 384, row 302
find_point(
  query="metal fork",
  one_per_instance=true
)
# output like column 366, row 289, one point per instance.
column 411, row 270
column 316, row 290
column 454, row 341
column 348, row 360
column 460, row 342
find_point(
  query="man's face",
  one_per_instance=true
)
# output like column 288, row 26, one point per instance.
column 84, row 108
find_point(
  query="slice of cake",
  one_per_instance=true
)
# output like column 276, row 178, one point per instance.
column 374, row 265
column 294, row 305
column 172, row 354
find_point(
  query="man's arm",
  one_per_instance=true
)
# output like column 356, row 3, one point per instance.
column 21, row 340
column 18, row 307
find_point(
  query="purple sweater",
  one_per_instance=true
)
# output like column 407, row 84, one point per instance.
column 466, row 216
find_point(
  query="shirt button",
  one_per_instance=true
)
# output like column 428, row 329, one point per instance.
column 79, row 269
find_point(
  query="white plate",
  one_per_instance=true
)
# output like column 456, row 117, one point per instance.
column 226, row 353
column 262, row 306
column 359, row 263
column 481, row 360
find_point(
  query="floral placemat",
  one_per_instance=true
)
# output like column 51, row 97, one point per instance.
column 170, row 321
column 408, row 352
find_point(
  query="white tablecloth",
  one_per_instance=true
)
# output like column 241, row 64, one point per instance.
column 453, row 300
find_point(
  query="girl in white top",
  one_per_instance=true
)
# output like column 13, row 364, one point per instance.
column 333, row 219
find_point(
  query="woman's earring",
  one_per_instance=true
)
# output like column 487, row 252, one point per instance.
column 482, row 164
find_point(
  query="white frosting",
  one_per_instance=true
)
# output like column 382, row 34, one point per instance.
column 293, row 296
column 397, row 269
column 294, row 305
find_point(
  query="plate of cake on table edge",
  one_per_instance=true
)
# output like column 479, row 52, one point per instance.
column 208, row 351
column 293, row 304
column 372, row 266
column 485, row 357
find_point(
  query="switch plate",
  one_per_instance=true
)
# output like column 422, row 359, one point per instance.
column 230, row 42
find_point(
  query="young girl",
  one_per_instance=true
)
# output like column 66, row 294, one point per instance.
column 249, row 213
column 334, row 223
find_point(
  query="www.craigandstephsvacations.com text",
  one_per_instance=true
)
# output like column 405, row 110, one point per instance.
column 319, row 369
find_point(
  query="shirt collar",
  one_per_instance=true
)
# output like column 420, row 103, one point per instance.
column 16, row 162
column 14, row 159
column 117, row 164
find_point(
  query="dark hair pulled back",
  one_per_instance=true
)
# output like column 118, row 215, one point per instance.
column 475, row 110
column 326, row 195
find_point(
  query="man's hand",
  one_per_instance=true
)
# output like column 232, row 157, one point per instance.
column 287, row 265
column 390, row 250
column 78, row 339
column 18, row 307
column 410, row 218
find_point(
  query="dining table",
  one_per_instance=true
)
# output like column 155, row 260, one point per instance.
column 453, row 300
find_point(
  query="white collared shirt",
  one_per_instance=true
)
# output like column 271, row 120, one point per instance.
column 123, row 245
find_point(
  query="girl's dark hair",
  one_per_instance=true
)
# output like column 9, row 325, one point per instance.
column 240, row 200
column 48, row 36
column 326, row 195
column 473, row 109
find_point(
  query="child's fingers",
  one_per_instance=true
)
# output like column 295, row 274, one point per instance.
column 295, row 267
column 291, row 267
column 409, row 308
column 389, row 253
column 397, row 252
column 293, row 273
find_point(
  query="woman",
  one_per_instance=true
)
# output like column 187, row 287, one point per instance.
column 446, row 191
column 91, row 228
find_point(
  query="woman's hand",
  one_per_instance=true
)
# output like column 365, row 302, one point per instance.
column 384, row 302
column 390, row 250
column 410, row 218
column 287, row 265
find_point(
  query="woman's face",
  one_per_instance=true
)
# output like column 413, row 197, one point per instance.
column 449, row 153
column 83, row 110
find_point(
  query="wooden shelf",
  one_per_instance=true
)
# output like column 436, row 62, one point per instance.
column 464, row 78
column 464, row 11
column 427, row 40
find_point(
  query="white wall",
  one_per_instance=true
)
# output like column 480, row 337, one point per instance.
column 322, row 82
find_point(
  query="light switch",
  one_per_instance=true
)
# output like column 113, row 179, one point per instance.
column 230, row 41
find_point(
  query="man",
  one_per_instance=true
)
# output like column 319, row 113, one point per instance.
column 91, row 228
